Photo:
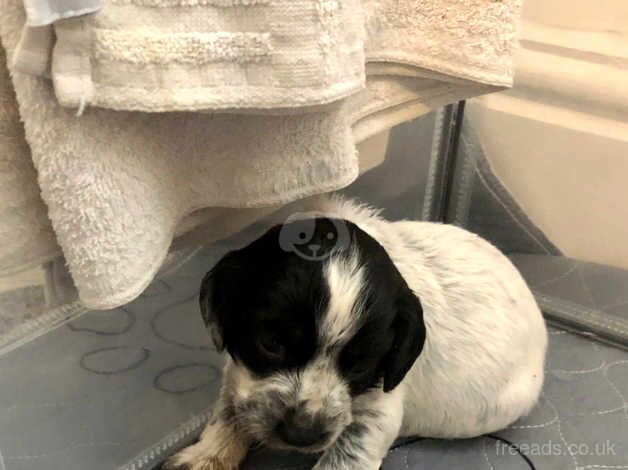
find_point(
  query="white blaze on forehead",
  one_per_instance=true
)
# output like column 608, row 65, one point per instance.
column 346, row 281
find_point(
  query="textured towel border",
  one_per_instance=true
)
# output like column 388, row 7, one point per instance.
column 184, row 48
column 222, row 55
column 191, row 3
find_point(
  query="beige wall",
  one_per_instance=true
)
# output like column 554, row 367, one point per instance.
column 372, row 151
column 559, row 139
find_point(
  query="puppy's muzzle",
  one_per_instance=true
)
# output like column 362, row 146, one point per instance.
column 297, row 429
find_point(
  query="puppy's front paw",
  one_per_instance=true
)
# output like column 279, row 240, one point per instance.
column 219, row 448
column 198, row 457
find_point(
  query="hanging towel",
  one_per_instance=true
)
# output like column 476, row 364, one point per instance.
column 470, row 39
column 391, row 100
column 169, row 55
column 26, row 237
column 258, row 54
column 119, row 184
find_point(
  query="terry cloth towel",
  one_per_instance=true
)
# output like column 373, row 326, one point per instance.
column 118, row 184
column 283, row 54
column 391, row 100
column 26, row 237
column 169, row 55
column 312, row 52
column 470, row 39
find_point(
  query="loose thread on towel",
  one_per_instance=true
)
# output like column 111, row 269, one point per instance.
column 81, row 108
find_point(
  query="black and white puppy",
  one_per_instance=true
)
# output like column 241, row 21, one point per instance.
column 348, row 331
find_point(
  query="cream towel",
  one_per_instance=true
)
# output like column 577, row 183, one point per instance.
column 168, row 55
column 117, row 183
column 463, row 39
column 26, row 237
column 466, row 43
column 391, row 100
column 35, row 51
column 273, row 54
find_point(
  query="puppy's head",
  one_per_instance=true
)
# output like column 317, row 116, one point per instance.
column 307, row 336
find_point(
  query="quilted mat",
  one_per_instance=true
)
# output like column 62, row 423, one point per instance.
column 123, row 389
column 580, row 423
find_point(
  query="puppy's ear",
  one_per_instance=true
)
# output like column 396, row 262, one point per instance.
column 217, row 292
column 223, row 297
column 209, row 314
column 409, row 336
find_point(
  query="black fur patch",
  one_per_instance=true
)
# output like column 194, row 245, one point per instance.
column 267, row 302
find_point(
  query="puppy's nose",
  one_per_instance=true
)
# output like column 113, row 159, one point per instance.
column 298, row 431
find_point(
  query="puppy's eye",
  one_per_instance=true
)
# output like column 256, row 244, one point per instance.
column 272, row 348
column 330, row 236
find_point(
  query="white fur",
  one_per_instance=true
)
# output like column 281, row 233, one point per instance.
column 482, row 364
column 345, row 279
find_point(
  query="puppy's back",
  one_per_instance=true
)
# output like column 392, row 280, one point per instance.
column 486, row 338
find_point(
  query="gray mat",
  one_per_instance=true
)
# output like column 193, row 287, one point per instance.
column 114, row 389
column 125, row 388
column 580, row 423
